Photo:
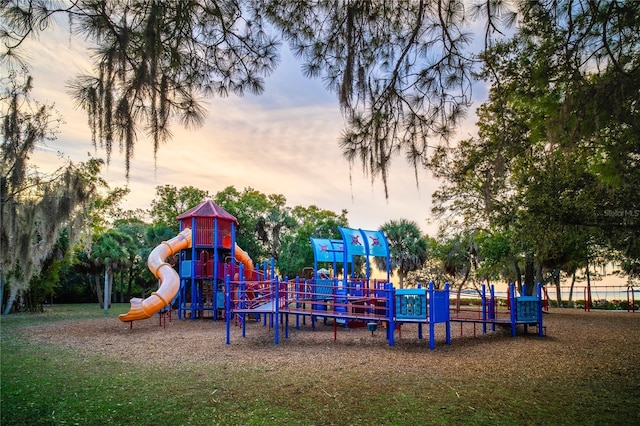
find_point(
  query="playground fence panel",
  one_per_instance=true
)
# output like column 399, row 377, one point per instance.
column 357, row 304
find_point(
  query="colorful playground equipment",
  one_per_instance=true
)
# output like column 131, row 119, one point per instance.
column 355, row 304
column 217, row 279
column 143, row 309
column 206, row 245
column 352, row 301
column 212, row 256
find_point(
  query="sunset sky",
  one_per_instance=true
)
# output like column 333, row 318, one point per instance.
column 284, row 141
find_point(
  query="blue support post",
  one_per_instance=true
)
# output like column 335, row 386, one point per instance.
column 214, row 280
column 540, row 329
column 182, row 301
column 242, row 292
column 432, row 317
column 514, row 308
column 492, row 307
column 227, row 307
column 194, row 243
column 194, row 298
column 297, row 293
column 272, row 270
column 420, row 324
column 447, row 314
column 277, row 308
column 484, row 309
column 390, row 295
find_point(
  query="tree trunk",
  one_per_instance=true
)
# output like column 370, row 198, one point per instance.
column 1, row 288
column 573, row 281
column 13, row 294
column 112, row 295
column 129, row 285
column 529, row 277
column 518, row 272
column 538, row 278
column 588, row 301
column 107, row 289
column 556, row 279
column 96, row 279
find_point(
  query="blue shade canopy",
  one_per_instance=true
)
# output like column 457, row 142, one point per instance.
column 377, row 243
column 327, row 250
column 354, row 241
column 359, row 242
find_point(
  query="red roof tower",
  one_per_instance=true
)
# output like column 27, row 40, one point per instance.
column 203, row 267
column 207, row 219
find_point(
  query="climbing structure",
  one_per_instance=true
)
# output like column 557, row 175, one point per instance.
column 211, row 256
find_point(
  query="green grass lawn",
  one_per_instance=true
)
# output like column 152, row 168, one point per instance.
column 54, row 385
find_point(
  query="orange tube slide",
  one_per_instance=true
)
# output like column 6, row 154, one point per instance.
column 169, row 279
column 243, row 257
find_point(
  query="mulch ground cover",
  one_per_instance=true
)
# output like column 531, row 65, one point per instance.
column 597, row 344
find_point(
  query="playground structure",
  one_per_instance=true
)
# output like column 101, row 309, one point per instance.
column 217, row 279
column 214, row 254
column 353, row 302
column 143, row 309
column 206, row 247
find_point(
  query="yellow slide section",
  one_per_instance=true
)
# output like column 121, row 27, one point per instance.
column 169, row 279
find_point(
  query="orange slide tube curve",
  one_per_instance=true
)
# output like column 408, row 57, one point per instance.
column 243, row 257
column 169, row 279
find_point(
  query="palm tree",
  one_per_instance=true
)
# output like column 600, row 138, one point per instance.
column 136, row 264
column 407, row 247
column 273, row 223
column 109, row 250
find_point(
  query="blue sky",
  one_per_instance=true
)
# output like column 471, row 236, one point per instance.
column 284, row 141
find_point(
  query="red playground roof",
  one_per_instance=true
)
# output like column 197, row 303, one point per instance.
column 207, row 209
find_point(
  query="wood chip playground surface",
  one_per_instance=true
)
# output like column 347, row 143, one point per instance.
column 592, row 345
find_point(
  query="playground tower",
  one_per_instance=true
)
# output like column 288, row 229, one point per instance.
column 204, row 266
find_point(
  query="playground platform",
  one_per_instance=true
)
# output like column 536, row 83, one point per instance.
column 359, row 304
